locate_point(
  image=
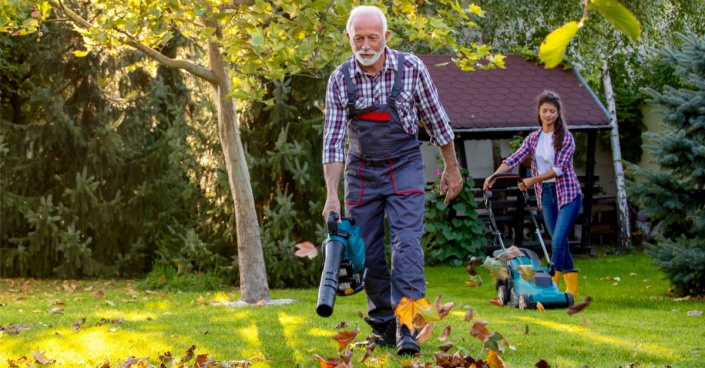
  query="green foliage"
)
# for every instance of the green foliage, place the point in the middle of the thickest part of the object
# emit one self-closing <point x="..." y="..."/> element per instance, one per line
<point x="454" y="232"/>
<point x="168" y="278"/>
<point x="673" y="197"/>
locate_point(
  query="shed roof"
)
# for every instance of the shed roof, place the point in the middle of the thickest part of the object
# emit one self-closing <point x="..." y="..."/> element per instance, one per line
<point x="504" y="100"/>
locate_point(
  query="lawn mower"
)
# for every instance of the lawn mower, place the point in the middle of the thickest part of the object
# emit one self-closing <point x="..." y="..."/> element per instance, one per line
<point x="528" y="283"/>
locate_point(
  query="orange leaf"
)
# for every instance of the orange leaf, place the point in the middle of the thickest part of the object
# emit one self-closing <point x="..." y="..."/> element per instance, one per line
<point x="41" y="358"/>
<point x="540" y="307"/>
<point x="98" y="294"/>
<point x="407" y="309"/>
<point x="496" y="302"/>
<point x="345" y="337"/>
<point x="201" y="361"/>
<point x="512" y="252"/>
<point x="494" y="360"/>
<point x="327" y="363"/>
<point x="306" y="249"/>
<point x="579" y="306"/>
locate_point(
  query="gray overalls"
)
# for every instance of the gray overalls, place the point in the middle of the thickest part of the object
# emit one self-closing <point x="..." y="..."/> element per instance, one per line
<point x="384" y="175"/>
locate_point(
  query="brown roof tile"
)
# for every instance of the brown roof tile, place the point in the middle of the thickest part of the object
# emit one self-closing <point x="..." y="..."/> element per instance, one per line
<point x="503" y="99"/>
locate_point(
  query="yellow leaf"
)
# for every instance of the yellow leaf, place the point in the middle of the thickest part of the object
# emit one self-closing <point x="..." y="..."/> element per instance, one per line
<point x="526" y="272"/>
<point x="494" y="360"/>
<point x="79" y="53"/>
<point x="407" y="309"/>
<point x="553" y="47"/>
<point x="619" y="16"/>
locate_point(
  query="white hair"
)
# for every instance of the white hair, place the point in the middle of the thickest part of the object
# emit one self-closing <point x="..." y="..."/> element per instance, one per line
<point x="366" y="10"/>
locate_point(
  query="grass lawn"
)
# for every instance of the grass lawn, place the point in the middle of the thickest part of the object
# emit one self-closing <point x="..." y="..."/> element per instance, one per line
<point x="629" y="321"/>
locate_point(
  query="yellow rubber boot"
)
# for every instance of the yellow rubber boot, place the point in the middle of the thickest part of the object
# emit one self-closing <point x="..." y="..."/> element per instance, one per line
<point x="571" y="282"/>
<point x="557" y="277"/>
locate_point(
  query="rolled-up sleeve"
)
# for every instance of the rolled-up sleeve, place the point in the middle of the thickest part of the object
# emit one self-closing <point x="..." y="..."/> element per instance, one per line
<point x="334" y="128"/>
<point x="430" y="110"/>
<point x="564" y="158"/>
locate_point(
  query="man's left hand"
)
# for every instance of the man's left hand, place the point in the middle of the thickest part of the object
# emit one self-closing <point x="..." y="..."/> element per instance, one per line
<point x="451" y="184"/>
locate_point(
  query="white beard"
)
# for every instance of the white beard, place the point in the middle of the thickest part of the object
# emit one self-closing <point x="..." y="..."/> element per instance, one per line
<point x="369" y="61"/>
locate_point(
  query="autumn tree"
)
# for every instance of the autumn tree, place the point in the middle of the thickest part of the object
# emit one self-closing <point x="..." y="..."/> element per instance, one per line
<point x="245" y="43"/>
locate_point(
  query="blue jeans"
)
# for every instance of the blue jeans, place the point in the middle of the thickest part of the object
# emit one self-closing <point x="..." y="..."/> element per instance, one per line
<point x="559" y="223"/>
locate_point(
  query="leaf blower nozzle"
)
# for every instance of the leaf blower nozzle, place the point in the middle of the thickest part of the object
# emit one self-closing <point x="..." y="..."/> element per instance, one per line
<point x="344" y="263"/>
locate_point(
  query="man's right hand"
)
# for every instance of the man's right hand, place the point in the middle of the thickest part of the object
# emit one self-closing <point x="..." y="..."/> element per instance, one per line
<point x="332" y="205"/>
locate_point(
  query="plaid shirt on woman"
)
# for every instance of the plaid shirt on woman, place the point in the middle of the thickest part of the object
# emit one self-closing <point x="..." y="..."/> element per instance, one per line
<point x="417" y="101"/>
<point x="567" y="185"/>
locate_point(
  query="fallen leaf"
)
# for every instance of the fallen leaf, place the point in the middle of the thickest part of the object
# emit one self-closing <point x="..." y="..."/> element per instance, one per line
<point x="474" y="281"/>
<point x="407" y="309"/>
<point x="511" y="253"/>
<point x="496" y="268"/>
<point x="496" y="302"/>
<point x="578" y="307"/>
<point x="425" y="333"/>
<point x="188" y="354"/>
<point x="56" y="311"/>
<point x="540" y="307"/>
<point x="98" y="294"/>
<point x="345" y="337"/>
<point x="695" y="313"/>
<point x="261" y="303"/>
<point x="495" y="342"/>
<point x="341" y="325"/>
<point x="201" y="301"/>
<point x="542" y="364"/>
<point x="23" y="361"/>
<point x="687" y="297"/>
<point x="40" y="358"/>
<point x="306" y="249"/>
<point x="526" y="330"/>
<point x="445" y="334"/>
<point x="77" y="325"/>
<point x="632" y="274"/>
<point x="201" y="361"/>
<point x="166" y="357"/>
<point x="618" y="279"/>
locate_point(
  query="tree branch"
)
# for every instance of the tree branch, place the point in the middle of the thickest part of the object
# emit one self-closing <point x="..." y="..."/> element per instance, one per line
<point x="188" y="66"/>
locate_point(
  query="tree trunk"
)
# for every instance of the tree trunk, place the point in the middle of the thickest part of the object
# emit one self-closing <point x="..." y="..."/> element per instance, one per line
<point x="624" y="236"/>
<point x="253" y="275"/>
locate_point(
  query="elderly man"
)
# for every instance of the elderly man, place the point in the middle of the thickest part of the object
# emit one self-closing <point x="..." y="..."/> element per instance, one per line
<point x="376" y="99"/>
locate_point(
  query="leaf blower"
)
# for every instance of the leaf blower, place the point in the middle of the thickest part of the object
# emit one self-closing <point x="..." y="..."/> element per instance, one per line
<point x="344" y="263"/>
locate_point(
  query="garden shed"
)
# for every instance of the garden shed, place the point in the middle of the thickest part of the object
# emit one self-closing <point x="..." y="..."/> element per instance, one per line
<point x="499" y="104"/>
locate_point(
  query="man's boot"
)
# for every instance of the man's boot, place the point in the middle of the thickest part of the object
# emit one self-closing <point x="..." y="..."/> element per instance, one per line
<point x="385" y="333"/>
<point x="557" y="278"/>
<point x="571" y="282"/>
<point x="406" y="342"/>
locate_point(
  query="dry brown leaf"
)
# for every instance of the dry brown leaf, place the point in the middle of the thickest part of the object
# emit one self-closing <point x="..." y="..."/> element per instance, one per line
<point x="328" y="362"/>
<point x="496" y="302"/>
<point x="201" y="361"/>
<point x="542" y="364"/>
<point x="470" y="314"/>
<point x="578" y="307"/>
<point x="16" y="363"/>
<point x="345" y="337"/>
<point x="540" y="307"/>
<point x="306" y="249"/>
<point x="445" y="334"/>
<point x="188" y="354"/>
<point x="98" y="294"/>
<point x="369" y="350"/>
<point x="512" y="252"/>
<point x="262" y="303"/>
<point x="201" y="301"/>
<point x="479" y="330"/>
<point x="341" y="325"/>
<point x="56" y="311"/>
<point x="40" y="358"/>
<point x="526" y="272"/>
<point x="425" y="333"/>
<point x="446" y="346"/>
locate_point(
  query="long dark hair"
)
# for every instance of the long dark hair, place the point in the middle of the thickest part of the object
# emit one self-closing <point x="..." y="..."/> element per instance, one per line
<point x="560" y="126"/>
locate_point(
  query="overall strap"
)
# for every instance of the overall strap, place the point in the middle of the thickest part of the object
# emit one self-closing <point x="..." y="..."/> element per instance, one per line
<point x="350" y="86"/>
<point x="396" y="89"/>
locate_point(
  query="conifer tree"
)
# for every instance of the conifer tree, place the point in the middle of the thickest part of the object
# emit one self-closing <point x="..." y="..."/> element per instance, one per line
<point x="674" y="196"/>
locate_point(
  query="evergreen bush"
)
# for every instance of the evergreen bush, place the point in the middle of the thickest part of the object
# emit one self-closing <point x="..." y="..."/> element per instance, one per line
<point x="674" y="196"/>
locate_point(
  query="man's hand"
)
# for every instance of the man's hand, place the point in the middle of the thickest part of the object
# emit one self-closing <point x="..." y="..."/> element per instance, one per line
<point x="451" y="184"/>
<point x="332" y="205"/>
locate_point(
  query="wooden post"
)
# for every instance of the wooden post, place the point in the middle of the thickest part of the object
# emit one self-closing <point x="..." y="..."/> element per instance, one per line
<point x="585" y="241"/>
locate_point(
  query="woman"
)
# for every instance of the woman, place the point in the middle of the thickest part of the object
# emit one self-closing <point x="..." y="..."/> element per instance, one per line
<point x="556" y="184"/>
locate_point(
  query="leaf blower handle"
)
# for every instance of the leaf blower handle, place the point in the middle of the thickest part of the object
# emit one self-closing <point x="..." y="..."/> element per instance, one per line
<point x="333" y="223"/>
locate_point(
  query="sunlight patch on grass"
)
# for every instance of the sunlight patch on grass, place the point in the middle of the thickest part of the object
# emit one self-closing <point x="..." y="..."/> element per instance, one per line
<point x="319" y="332"/>
<point x="253" y="345"/>
<point x="292" y="335"/>
<point x="229" y="318"/>
<point x="581" y="331"/>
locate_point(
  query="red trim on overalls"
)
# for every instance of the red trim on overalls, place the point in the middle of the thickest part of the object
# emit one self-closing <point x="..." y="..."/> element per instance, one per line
<point x="394" y="185"/>
<point x="375" y="116"/>
<point x="362" y="185"/>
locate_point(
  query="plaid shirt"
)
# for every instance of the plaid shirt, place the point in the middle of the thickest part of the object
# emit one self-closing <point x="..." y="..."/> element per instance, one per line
<point x="417" y="101"/>
<point x="567" y="185"/>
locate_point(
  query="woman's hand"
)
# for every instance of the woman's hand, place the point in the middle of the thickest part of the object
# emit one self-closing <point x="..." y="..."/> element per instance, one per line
<point x="526" y="184"/>
<point x="487" y="185"/>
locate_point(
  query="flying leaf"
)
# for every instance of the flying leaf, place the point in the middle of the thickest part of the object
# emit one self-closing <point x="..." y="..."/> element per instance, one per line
<point x="443" y="309"/>
<point x="77" y="325"/>
<point x="553" y="46"/>
<point x="495" y="342"/>
<point x="474" y="281"/>
<point x="327" y="362"/>
<point x="578" y="307"/>
<point x="619" y="16"/>
<point x="370" y="349"/>
<point x="446" y="346"/>
<point x="445" y="334"/>
<point x="306" y="249"/>
<point x="479" y="330"/>
<point x="188" y="354"/>
<point x="341" y="325"/>
<point x="540" y="307"/>
<point x="425" y="333"/>
<point x="345" y="337"/>
<point x="407" y="309"/>
<point x="470" y="268"/>
<point x="526" y="272"/>
<point x="470" y="314"/>
<point x="40" y="358"/>
<point x="493" y="360"/>
<point x="511" y="253"/>
<point x="496" y="268"/>
<point x="496" y="302"/>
